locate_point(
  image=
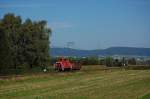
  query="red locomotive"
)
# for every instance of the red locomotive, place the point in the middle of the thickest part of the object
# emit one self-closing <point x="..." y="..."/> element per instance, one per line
<point x="64" y="64"/>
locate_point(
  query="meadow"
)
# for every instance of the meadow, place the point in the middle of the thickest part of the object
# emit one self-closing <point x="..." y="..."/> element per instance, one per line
<point x="91" y="82"/>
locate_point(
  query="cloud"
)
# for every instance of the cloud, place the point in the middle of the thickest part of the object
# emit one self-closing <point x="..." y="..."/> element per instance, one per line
<point x="23" y="5"/>
<point x="60" y="25"/>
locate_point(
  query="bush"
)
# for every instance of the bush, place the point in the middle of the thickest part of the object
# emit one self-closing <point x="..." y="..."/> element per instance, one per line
<point x="90" y="61"/>
<point x="109" y="61"/>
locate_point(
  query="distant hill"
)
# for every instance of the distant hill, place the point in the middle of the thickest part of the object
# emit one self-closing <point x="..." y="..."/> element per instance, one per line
<point x="103" y="52"/>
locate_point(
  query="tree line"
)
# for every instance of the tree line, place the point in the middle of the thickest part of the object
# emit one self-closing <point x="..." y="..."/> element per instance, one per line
<point x="94" y="60"/>
<point x="24" y="44"/>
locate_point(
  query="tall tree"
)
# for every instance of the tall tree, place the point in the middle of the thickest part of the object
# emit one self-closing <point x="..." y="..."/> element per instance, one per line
<point x="10" y="25"/>
<point x="23" y="42"/>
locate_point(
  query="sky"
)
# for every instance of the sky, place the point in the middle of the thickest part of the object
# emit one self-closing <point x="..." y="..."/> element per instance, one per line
<point x="89" y="24"/>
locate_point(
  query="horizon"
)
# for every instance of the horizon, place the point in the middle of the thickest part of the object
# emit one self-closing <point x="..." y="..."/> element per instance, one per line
<point x="103" y="48"/>
<point x="89" y="25"/>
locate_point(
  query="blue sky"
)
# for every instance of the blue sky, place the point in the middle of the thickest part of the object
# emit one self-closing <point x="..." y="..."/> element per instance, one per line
<point x="90" y="24"/>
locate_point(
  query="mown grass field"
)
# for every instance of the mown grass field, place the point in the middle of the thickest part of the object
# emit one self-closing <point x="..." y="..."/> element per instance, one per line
<point x="92" y="82"/>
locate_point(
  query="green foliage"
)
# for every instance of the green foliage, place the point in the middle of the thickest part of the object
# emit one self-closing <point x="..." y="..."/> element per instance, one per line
<point x="23" y="43"/>
<point x="54" y="59"/>
<point x="102" y="61"/>
<point x="112" y="62"/>
<point x="132" y="61"/>
<point x="116" y="62"/>
<point x="109" y="61"/>
<point x="147" y="96"/>
<point x="90" y="60"/>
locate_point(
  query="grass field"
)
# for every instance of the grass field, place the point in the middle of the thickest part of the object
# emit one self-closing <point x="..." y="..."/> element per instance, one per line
<point x="92" y="82"/>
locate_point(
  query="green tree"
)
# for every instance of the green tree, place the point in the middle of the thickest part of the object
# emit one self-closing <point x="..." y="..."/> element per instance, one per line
<point x="132" y="61"/>
<point x="36" y="36"/>
<point x="10" y="26"/>
<point x="109" y="61"/>
<point x="23" y="43"/>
